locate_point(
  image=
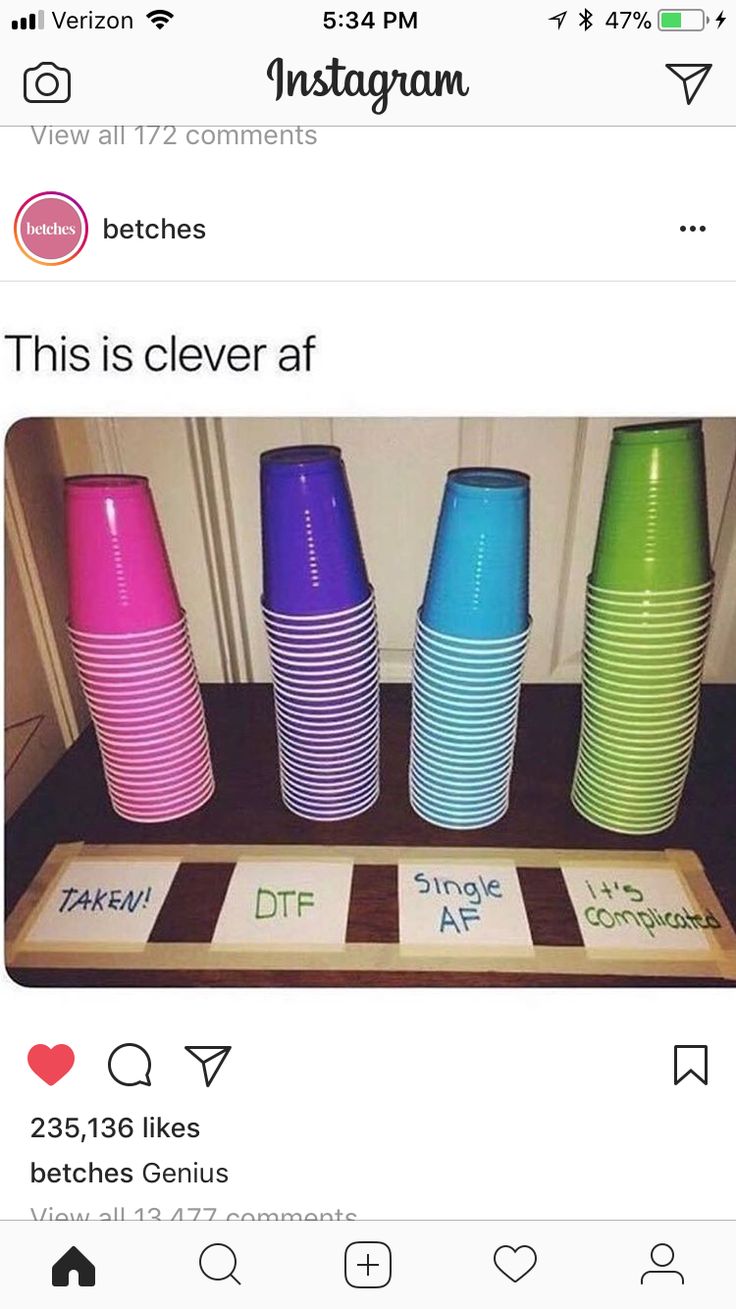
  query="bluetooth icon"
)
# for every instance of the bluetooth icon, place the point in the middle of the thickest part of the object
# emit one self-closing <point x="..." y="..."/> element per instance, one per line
<point x="586" y="20"/>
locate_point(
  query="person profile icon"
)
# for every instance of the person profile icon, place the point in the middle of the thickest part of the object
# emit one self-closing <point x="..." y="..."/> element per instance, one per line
<point x="662" y="1255"/>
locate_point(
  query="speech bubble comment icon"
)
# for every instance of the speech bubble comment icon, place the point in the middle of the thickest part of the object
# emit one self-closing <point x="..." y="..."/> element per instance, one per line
<point x="130" y="1065"/>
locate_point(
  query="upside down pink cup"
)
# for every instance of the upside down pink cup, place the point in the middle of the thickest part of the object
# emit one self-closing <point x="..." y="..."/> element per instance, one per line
<point x="184" y="730"/>
<point x="159" y="697"/>
<point x="165" y="808"/>
<point x="141" y="689"/>
<point x="170" y="781"/>
<point x="130" y="665"/>
<point x="178" y="733"/>
<point x="125" y="644"/>
<point x="168" y="775"/>
<point x="134" y="761"/>
<point x="165" y="700"/>
<point x="120" y="580"/>
<point x="147" y="717"/>
<point x="163" y="802"/>
<point x="163" y="774"/>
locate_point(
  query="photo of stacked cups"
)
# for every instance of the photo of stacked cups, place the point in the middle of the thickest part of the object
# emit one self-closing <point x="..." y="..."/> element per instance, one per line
<point x="471" y="636"/>
<point x="132" y="651"/>
<point x="647" y="618"/>
<point x="320" y="618"/>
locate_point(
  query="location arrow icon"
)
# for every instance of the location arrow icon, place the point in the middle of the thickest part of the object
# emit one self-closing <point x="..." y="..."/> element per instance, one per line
<point x="558" y="19"/>
<point x="692" y="77"/>
<point x="211" y="1057"/>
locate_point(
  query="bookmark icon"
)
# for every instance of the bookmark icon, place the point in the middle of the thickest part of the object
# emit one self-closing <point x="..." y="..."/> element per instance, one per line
<point x="691" y="1061"/>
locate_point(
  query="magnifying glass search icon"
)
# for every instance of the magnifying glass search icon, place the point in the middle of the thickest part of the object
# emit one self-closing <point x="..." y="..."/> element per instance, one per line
<point x="218" y="1263"/>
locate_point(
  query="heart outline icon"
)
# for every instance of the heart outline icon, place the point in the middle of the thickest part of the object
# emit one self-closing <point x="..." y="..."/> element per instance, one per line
<point x="517" y="1267"/>
<point x="50" y="1063"/>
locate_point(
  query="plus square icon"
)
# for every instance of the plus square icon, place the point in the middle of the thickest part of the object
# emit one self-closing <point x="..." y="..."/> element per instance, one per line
<point x="368" y="1265"/>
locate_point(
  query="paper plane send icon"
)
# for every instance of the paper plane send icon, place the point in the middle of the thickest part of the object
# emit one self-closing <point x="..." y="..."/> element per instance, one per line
<point x="692" y="77"/>
<point x="211" y="1057"/>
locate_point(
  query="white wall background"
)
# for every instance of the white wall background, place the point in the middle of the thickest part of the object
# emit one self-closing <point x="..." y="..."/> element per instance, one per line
<point x="204" y="475"/>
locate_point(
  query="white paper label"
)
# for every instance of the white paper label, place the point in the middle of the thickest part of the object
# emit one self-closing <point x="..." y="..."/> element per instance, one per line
<point x="286" y="903"/>
<point x="462" y="905"/>
<point x="104" y="902"/>
<point x="638" y="908"/>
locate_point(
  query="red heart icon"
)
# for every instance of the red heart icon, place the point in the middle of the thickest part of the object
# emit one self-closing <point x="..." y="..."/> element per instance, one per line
<point x="50" y="1064"/>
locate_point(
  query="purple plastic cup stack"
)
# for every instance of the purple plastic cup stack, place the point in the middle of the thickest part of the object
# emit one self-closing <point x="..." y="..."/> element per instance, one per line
<point x="132" y="651"/>
<point x="320" y="617"/>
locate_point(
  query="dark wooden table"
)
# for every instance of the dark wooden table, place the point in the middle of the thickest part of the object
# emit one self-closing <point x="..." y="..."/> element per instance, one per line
<point x="71" y="804"/>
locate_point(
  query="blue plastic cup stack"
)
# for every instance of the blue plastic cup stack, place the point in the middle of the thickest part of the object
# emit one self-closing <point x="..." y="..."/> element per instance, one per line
<point x="471" y="637"/>
<point x="320" y="617"/>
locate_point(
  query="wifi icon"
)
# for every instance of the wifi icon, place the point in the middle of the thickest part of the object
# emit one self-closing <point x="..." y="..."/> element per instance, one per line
<point x="160" y="17"/>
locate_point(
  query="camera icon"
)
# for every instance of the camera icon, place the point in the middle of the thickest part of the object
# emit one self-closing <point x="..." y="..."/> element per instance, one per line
<point x="47" y="84"/>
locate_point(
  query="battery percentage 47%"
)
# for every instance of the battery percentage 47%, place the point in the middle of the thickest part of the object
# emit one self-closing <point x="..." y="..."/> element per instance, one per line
<point x="622" y="18"/>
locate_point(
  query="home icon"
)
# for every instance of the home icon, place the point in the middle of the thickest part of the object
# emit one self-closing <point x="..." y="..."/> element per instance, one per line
<point x="73" y="1262"/>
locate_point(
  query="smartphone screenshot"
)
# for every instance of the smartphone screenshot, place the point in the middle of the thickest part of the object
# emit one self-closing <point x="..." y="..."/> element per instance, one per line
<point x="369" y="414"/>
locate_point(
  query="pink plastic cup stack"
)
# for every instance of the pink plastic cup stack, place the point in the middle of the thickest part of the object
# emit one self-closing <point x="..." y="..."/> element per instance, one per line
<point x="132" y="651"/>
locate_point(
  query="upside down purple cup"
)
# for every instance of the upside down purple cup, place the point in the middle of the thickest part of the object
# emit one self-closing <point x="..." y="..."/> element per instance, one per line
<point x="312" y="558"/>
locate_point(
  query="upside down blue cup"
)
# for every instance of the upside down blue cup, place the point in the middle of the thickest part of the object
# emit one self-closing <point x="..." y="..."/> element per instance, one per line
<point x="478" y="581"/>
<point x="312" y="558"/>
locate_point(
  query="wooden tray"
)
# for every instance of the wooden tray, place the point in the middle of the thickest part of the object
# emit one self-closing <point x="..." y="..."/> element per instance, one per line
<point x="181" y="937"/>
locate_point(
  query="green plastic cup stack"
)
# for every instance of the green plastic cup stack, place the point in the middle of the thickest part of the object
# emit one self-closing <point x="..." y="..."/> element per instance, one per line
<point x="647" y="618"/>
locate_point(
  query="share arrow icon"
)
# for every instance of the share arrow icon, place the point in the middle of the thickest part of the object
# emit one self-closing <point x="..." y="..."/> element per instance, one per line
<point x="692" y="77"/>
<point x="211" y="1057"/>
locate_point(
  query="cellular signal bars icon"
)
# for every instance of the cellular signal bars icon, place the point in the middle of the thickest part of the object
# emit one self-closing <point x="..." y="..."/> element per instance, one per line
<point x="31" y="23"/>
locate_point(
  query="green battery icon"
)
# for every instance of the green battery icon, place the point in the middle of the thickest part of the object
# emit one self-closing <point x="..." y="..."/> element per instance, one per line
<point x="681" y="20"/>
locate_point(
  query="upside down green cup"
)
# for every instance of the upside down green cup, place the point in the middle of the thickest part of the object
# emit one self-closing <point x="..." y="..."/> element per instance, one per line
<point x="638" y="732"/>
<point x="641" y="631"/>
<point x="608" y="641"/>
<point x="592" y="768"/>
<point x="677" y="688"/>
<point x="634" y="798"/>
<point x="643" y="803"/>
<point x="629" y="760"/>
<point x="638" y="701"/>
<point x="600" y="716"/>
<point x="667" y="755"/>
<point x="645" y="667"/>
<point x="601" y="737"/>
<point x="613" y="799"/>
<point x="651" y="773"/>
<point x="687" y="597"/>
<point x="623" y="684"/>
<point x="674" y="669"/>
<point x="620" y="813"/>
<point x="641" y="721"/>
<point x="654" y="606"/>
<point x="653" y="527"/>
<point x="603" y="697"/>
<point x="627" y="826"/>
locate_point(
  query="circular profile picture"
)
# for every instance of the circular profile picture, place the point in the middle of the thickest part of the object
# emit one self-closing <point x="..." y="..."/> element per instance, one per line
<point x="51" y="228"/>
